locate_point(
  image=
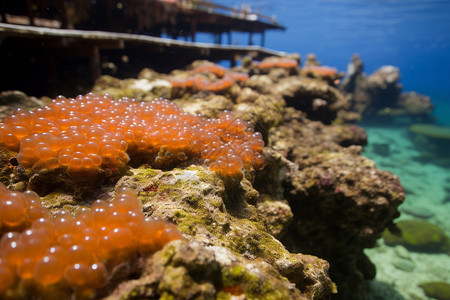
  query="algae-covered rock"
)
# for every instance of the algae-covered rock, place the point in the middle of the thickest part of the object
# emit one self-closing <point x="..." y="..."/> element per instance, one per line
<point x="140" y="89"/>
<point x="277" y="215"/>
<point x="316" y="98"/>
<point x="192" y="270"/>
<point x="419" y="235"/>
<point x="205" y="210"/>
<point x="437" y="290"/>
<point x="430" y="130"/>
<point x="12" y="100"/>
<point x="209" y="106"/>
<point x="6" y="168"/>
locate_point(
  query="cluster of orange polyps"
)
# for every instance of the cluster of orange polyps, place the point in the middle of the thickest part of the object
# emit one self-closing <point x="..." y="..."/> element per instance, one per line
<point x="224" y="81"/>
<point x="90" y="134"/>
<point x="75" y="252"/>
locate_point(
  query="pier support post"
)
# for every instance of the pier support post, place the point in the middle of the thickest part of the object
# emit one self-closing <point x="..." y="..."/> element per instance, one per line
<point x="94" y="59"/>
<point x="30" y="13"/>
<point x="193" y="29"/>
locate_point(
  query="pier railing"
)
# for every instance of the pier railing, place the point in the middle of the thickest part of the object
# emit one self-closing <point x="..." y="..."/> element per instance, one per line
<point x="245" y="12"/>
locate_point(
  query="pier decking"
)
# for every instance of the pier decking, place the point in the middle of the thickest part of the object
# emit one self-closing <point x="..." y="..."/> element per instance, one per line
<point x="39" y="59"/>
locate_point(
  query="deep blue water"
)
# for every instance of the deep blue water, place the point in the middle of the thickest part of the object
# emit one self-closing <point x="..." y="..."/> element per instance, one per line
<point x="411" y="34"/>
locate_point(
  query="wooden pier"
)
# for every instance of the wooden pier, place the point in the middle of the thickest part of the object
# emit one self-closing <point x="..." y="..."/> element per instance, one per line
<point x="43" y="60"/>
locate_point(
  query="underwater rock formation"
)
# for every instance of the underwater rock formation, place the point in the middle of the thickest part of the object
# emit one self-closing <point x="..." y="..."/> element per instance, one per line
<point x="270" y="233"/>
<point x="379" y="95"/>
<point x="340" y="202"/>
<point x="12" y="100"/>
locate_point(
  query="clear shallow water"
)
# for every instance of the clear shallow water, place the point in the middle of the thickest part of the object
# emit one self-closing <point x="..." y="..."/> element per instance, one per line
<point x="413" y="35"/>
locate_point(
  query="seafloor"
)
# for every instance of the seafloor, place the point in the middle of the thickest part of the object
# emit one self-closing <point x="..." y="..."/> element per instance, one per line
<point x="427" y="183"/>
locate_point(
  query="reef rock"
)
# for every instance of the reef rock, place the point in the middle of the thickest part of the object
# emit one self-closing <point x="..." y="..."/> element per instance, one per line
<point x="380" y="96"/>
<point x="340" y="202"/>
<point x="316" y="98"/>
<point x="227" y="233"/>
<point x="273" y="233"/>
<point x="11" y="100"/>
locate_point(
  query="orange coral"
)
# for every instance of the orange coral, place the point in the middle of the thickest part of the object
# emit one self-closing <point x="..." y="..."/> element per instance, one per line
<point x="92" y="134"/>
<point x="321" y="71"/>
<point x="284" y="63"/>
<point x="79" y="251"/>
<point x="19" y="210"/>
<point x="214" y="86"/>
<point x="238" y="76"/>
<point x="213" y="68"/>
<point x="225" y="81"/>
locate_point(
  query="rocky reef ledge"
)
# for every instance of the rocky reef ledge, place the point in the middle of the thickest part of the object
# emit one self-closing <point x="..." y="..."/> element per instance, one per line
<point x="294" y="227"/>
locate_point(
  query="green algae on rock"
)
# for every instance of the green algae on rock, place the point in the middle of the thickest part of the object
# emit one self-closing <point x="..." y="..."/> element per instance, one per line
<point x="430" y="130"/>
<point x="420" y="236"/>
<point x="198" y="202"/>
<point x="437" y="290"/>
<point x="192" y="270"/>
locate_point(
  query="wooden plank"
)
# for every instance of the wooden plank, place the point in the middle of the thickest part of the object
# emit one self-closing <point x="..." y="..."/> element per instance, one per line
<point x="27" y="32"/>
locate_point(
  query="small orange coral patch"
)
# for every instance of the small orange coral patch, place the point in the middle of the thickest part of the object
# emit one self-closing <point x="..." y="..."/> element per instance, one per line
<point x="225" y="79"/>
<point x="79" y="251"/>
<point x="285" y="63"/>
<point x="322" y="71"/>
<point x="214" y="86"/>
<point x="92" y="134"/>
<point x="213" y="68"/>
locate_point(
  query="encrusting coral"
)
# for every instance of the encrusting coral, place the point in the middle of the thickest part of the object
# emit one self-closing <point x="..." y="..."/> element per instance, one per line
<point x="320" y="71"/>
<point x="92" y="134"/>
<point x="63" y="253"/>
<point x="223" y="81"/>
<point x="276" y="62"/>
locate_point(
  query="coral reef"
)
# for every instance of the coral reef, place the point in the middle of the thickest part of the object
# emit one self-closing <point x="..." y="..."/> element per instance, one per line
<point x="292" y="227"/>
<point x="12" y="100"/>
